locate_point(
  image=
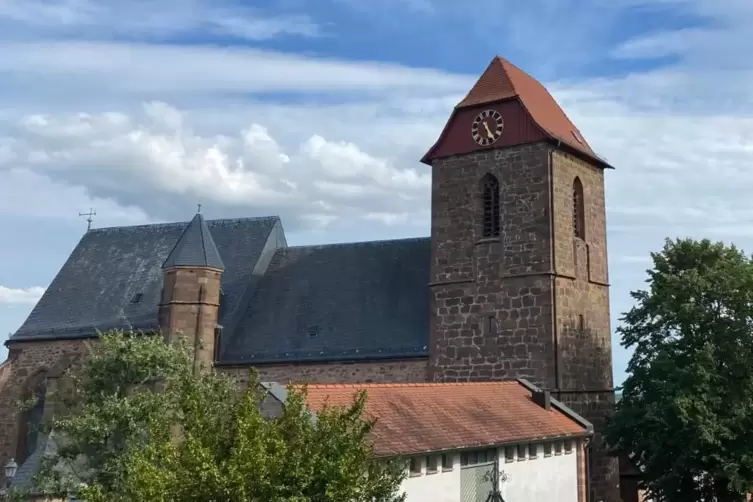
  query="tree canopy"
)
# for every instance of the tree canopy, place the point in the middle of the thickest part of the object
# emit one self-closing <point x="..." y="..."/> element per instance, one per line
<point x="686" y="412"/>
<point x="144" y="426"/>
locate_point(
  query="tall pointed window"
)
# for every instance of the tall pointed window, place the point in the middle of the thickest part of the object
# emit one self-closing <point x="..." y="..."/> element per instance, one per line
<point x="579" y="220"/>
<point x="218" y="327"/>
<point x="31" y="417"/>
<point x="490" y="205"/>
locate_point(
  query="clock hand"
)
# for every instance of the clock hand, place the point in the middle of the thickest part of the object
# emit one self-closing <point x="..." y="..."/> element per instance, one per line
<point x="488" y="131"/>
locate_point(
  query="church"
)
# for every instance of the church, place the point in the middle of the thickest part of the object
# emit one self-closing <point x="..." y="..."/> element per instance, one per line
<point x="511" y="283"/>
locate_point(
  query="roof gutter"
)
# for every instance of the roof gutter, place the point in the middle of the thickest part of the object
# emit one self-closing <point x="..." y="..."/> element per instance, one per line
<point x="586" y="436"/>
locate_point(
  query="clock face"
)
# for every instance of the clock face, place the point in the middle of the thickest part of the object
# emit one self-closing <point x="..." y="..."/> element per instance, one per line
<point x="487" y="127"/>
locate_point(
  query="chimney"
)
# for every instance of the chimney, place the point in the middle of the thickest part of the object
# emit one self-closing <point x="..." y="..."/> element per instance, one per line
<point x="542" y="398"/>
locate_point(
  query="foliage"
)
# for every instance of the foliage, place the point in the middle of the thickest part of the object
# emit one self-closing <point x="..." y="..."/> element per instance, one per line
<point x="145" y="426"/>
<point x="686" y="412"/>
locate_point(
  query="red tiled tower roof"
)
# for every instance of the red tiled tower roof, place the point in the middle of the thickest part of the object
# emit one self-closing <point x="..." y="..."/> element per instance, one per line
<point x="429" y="417"/>
<point x="503" y="80"/>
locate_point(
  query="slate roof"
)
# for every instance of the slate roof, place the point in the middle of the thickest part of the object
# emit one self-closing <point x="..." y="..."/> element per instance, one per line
<point x="113" y="278"/>
<point x="47" y="446"/>
<point x="26" y="472"/>
<point x="413" y="418"/>
<point x="195" y="248"/>
<point x="341" y="301"/>
<point x="365" y="300"/>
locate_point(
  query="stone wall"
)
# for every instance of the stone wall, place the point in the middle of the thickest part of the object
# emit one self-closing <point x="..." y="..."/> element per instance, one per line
<point x="533" y="303"/>
<point x="406" y="370"/>
<point x="27" y="362"/>
<point x="190" y="306"/>
<point x="582" y="311"/>
<point x="491" y="298"/>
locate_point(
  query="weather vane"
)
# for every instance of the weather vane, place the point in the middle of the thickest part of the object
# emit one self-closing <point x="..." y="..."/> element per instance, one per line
<point x="89" y="218"/>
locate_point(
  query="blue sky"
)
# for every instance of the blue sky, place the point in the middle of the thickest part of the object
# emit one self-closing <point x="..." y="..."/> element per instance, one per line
<point x="319" y="111"/>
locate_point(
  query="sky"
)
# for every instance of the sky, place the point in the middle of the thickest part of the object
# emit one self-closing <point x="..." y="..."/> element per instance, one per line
<point x="319" y="111"/>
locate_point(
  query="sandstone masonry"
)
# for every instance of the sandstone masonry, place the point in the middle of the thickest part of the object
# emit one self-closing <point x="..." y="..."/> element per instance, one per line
<point x="532" y="303"/>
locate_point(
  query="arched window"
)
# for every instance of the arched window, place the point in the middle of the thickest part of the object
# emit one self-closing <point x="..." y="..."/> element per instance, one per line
<point x="31" y="416"/>
<point x="579" y="220"/>
<point x="490" y="206"/>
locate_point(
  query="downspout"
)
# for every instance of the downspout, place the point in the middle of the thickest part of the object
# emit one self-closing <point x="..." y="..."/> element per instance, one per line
<point x="587" y="462"/>
<point x="552" y="253"/>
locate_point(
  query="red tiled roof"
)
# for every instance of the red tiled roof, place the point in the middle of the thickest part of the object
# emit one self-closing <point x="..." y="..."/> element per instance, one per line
<point x="424" y="417"/>
<point x="503" y="80"/>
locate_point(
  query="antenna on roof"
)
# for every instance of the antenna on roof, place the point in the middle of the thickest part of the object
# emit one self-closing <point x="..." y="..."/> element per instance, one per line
<point x="89" y="218"/>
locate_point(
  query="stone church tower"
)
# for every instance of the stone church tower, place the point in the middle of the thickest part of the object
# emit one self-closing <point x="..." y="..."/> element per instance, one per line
<point x="191" y="291"/>
<point x="519" y="284"/>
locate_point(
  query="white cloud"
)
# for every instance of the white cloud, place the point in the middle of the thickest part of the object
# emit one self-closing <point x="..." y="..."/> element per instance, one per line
<point x="719" y="38"/>
<point x="149" y="20"/>
<point x="163" y="68"/>
<point x="155" y="160"/>
<point x="9" y="296"/>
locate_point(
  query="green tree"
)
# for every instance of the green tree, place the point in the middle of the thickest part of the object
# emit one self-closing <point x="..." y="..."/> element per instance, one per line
<point x="146" y="427"/>
<point x="686" y="412"/>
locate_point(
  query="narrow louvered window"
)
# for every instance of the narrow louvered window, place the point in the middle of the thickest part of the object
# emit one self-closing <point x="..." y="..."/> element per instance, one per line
<point x="217" y="342"/>
<point x="579" y="222"/>
<point x="490" y="206"/>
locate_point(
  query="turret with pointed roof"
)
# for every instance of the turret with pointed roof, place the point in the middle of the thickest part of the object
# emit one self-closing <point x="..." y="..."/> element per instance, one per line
<point x="191" y="292"/>
<point x="195" y="248"/>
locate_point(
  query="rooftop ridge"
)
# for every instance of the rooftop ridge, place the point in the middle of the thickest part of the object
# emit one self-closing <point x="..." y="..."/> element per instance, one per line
<point x="204" y="239"/>
<point x="358" y="243"/>
<point x="177" y="224"/>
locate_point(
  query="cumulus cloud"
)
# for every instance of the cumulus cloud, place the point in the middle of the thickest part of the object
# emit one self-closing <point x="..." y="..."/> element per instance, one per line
<point x="156" y="159"/>
<point x="27" y="296"/>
